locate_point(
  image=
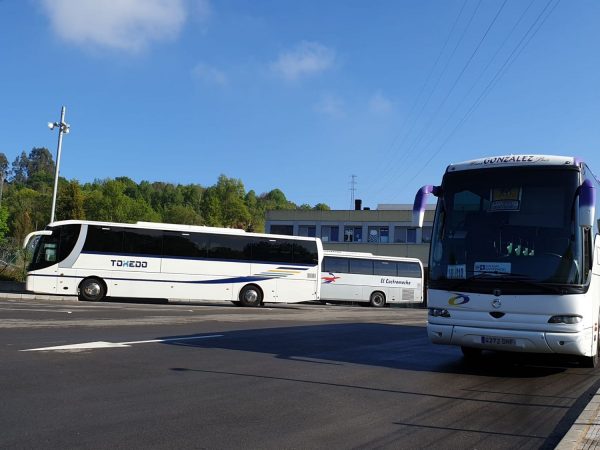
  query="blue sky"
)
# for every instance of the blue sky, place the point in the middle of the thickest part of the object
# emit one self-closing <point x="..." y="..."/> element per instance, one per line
<point x="299" y="95"/>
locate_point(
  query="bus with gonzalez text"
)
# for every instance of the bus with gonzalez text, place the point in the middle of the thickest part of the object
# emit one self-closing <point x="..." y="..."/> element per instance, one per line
<point x="95" y="260"/>
<point x="370" y="279"/>
<point x="514" y="261"/>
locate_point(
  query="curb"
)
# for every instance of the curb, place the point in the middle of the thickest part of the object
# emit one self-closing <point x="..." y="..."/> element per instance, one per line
<point x="20" y="295"/>
<point x="585" y="431"/>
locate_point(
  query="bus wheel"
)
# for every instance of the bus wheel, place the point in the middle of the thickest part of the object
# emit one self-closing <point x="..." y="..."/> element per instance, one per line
<point x="377" y="299"/>
<point x="470" y="352"/>
<point x="92" y="290"/>
<point x="251" y="295"/>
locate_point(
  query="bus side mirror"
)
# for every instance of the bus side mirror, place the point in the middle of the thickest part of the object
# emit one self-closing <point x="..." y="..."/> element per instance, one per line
<point x="421" y="203"/>
<point x="587" y="204"/>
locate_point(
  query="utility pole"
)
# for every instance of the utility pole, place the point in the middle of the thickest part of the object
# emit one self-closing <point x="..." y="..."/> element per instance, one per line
<point x="63" y="128"/>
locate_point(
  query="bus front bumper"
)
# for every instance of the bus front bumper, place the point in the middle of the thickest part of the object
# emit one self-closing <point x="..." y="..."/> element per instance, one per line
<point x="514" y="341"/>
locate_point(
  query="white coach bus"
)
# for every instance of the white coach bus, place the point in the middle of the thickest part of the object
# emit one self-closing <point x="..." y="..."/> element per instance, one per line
<point x="364" y="277"/>
<point x="514" y="262"/>
<point x="153" y="260"/>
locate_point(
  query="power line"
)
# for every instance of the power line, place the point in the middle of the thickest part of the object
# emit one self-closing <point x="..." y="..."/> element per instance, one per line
<point x="390" y="165"/>
<point x="466" y="96"/>
<point x="456" y="81"/>
<point x="499" y="73"/>
<point x="422" y="89"/>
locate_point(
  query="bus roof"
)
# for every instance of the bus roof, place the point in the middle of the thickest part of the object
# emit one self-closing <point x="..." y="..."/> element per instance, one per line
<point x="515" y="161"/>
<point x="177" y="227"/>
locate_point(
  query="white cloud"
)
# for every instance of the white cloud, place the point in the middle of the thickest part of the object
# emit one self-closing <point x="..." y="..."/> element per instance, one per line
<point x="331" y="105"/>
<point x="308" y="58"/>
<point x="128" y="25"/>
<point x="380" y="104"/>
<point x="209" y="74"/>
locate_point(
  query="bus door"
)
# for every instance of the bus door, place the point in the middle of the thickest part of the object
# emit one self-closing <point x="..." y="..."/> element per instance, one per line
<point x="44" y="246"/>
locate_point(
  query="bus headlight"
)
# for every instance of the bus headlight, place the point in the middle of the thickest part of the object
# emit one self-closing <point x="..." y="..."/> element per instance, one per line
<point x="570" y="319"/>
<point x="438" y="312"/>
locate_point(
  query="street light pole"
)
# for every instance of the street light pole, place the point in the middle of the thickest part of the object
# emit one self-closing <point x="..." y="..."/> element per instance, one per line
<point x="62" y="128"/>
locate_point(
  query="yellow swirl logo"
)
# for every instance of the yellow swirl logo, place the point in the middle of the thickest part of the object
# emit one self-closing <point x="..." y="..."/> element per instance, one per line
<point x="458" y="299"/>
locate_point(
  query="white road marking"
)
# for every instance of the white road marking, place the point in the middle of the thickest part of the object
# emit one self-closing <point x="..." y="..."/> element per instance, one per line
<point x="36" y="310"/>
<point x="104" y="344"/>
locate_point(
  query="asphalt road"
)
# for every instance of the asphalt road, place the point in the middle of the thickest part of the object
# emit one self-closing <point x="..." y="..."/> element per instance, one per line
<point x="290" y="376"/>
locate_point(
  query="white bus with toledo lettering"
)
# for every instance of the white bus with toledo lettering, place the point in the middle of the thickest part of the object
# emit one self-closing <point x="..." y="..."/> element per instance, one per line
<point x="364" y="277"/>
<point x="514" y="262"/>
<point x="153" y="260"/>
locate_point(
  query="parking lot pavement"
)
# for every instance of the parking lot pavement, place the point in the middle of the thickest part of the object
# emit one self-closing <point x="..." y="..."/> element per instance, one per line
<point x="584" y="433"/>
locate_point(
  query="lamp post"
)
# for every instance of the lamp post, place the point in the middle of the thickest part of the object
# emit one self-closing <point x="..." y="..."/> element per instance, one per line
<point x="63" y="128"/>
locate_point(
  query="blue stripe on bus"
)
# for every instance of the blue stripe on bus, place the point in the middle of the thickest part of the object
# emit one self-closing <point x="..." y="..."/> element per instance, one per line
<point x="216" y="281"/>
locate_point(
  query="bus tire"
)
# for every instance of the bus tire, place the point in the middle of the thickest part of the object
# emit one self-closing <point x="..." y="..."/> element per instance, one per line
<point x="251" y="295"/>
<point x="470" y="352"/>
<point x="92" y="290"/>
<point x="377" y="299"/>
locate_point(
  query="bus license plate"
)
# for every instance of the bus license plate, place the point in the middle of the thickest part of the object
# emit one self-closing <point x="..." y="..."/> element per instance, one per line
<point x="497" y="340"/>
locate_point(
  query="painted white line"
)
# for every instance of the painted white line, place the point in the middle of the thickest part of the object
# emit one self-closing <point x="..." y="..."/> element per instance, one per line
<point x="36" y="310"/>
<point x="104" y="344"/>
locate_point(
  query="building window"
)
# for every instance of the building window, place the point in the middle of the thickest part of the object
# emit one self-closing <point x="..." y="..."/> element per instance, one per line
<point x="411" y="235"/>
<point x="353" y="234"/>
<point x="406" y="235"/>
<point x="379" y="234"/>
<point x="330" y="233"/>
<point x="426" y="237"/>
<point x="307" y="230"/>
<point x="282" y="229"/>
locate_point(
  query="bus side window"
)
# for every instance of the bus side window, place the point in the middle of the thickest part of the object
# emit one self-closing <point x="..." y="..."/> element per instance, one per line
<point x="361" y="266"/>
<point x="409" y="270"/>
<point x="335" y="265"/>
<point x="385" y="268"/>
<point x="305" y="252"/>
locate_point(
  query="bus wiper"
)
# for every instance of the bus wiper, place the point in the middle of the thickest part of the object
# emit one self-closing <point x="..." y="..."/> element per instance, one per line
<point x="502" y="276"/>
<point x="527" y="281"/>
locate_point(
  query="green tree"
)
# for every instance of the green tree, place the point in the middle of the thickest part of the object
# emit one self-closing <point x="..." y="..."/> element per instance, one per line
<point x="276" y="199"/>
<point x="106" y="201"/>
<point x="40" y="161"/>
<point x="231" y="193"/>
<point x="182" y="214"/>
<point x="211" y="208"/>
<point x="24" y="213"/>
<point x="70" y="201"/>
<point x="19" y="170"/>
<point x="3" y="166"/>
<point x="3" y="222"/>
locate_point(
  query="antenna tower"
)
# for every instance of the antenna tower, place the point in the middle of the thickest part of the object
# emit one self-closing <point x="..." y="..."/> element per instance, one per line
<point x="352" y="190"/>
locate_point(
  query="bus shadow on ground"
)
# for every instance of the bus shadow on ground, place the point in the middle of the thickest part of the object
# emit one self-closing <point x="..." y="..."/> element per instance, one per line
<point x="382" y="345"/>
<point x="198" y="303"/>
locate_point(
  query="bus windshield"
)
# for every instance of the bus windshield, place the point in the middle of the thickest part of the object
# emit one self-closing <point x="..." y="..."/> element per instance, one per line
<point x="54" y="248"/>
<point x="511" y="227"/>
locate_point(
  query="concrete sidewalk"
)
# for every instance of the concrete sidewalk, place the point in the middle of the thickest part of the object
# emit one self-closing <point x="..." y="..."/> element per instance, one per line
<point x="584" y="434"/>
<point x="16" y="290"/>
